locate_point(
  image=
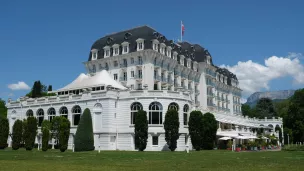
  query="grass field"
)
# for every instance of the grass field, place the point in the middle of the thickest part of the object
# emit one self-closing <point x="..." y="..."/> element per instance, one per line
<point x="156" y="161"/>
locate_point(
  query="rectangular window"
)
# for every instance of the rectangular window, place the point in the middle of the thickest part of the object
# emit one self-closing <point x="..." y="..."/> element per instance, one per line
<point x="125" y="63"/>
<point x="116" y="51"/>
<point x="132" y="73"/>
<point x="139" y="86"/>
<point x="125" y="76"/>
<point x="125" y="49"/>
<point x="107" y="53"/>
<point x="185" y="119"/>
<point x="113" y="139"/>
<point x="155" y="140"/>
<point x="140" y="60"/>
<point x="132" y="60"/>
<point x="139" y="73"/>
<point x="132" y="87"/>
<point x="94" y="55"/>
<point x="115" y="76"/>
<point x="115" y="63"/>
<point x="76" y="119"/>
<point x="140" y="46"/>
<point x="155" y="46"/>
<point x="155" y="118"/>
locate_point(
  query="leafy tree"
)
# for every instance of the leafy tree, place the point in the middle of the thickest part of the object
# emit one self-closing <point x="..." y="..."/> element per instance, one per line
<point x="265" y="108"/>
<point x="295" y="122"/>
<point x="23" y="131"/>
<point x="209" y="131"/>
<point x="50" y="88"/>
<point x="196" y="129"/>
<point x="84" y="140"/>
<point x="287" y="133"/>
<point x="3" y="109"/>
<point x="141" y="130"/>
<point x="55" y="128"/>
<point x="17" y="134"/>
<point x="4" y="131"/>
<point x="246" y="110"/>
<point x="171" y="126"/>
<point x="281" y="108"/>
<point x="30" y="133"/>
<point x="64" y="134"/>
<point x="46" y="125"/>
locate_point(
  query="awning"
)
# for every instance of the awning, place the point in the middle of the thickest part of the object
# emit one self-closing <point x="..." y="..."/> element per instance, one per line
<point x="225" y="138"/>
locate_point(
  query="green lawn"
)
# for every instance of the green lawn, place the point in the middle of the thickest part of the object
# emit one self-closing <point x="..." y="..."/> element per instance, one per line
<point x="156" y="161"/>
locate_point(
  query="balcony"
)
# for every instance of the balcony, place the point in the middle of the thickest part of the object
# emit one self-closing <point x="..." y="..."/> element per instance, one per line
<point x="197" y="92"/>
<point x="176" y="85"/>
<point x="210" y="94"/>
<point x="196" y="81"/>
<point x="227" y="101"/>
<point x="123" y="79"/>
<point x="138" y="77"/>
<point x="236" y="102"/>
<point x="164" y="80"/>
<point x="209" y="83"/>
<point x="211" y="105"/>
<point x="138" y="63"/>
<point x="184" y="76"/>
<point x="157" y="78"/>
<point x="177" y="73"/>
<point x="170" y="81"/>
<point x="123" y="65"/>
<point x="210" y="73"/>
<point x="157" y="64"/>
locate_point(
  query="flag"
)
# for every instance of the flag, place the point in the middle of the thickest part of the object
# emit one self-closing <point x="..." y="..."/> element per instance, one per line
<point x="183" y="29"/>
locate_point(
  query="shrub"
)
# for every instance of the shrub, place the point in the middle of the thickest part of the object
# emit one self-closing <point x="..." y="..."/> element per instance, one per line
<point x="141" y="130"/>
<point x="84" y="140"/>
<point x="4" y="131"/>
<point x="30" y="133"/>
<point x="64" y="134"/>
<point x="45" y="139"/>
<point x="209" y="131"/>
<point x="17" y="134"/>
<point x="171" y="126"/>
<point x="46" y="125"/>
<point x="196" y="129"/>
<point x="55" y="126"/>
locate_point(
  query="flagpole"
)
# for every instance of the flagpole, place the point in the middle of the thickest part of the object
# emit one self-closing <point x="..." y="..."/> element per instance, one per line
<point x="181" y="31"/>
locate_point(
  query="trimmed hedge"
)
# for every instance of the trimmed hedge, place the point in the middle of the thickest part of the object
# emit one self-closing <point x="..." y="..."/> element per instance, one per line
<point x="64" y="133"/>
<point x="17" y="134"/>
<point x="45" y="128"/>
<point x="196" y="129"/>
<point x="30" y="132"/>
<point x="141" y="130"/>
<point x="209" y="131"/>
<point x="171" y="126"/>
<point x="84" y="140"/>
<point x="4" y="131"/>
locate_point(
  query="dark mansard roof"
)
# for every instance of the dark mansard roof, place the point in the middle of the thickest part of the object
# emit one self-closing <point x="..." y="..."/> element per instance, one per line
<point x="193" y="51"/>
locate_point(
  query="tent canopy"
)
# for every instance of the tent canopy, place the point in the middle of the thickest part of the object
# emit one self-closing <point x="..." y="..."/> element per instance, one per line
<point x="85" y="81"/>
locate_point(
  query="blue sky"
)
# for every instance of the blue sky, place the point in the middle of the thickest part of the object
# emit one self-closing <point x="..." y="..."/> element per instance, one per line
<point x="48" y="41"/>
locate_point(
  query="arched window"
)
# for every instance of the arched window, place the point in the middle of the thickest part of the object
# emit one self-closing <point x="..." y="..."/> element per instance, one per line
<point x="135" y="107"/>
<point x="155" y="113"/>
<point x="51" y="114"/>
<point x="63" y="111"/>
<point x="173" y="106"/>
<point x="29" y="113"/>
<point x="40" y="116"/>
<point x="76" y="112"/>
<point x="186" y="110"/>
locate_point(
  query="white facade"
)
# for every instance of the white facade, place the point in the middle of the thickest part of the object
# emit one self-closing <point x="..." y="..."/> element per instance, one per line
<point x="155" y="79"/>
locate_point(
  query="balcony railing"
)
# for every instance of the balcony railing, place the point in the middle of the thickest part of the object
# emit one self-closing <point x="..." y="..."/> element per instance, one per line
<point x="164" y="80"/>
<point x="209" y="83"/>
<point x="170" y="81"/>
<point x="197" y="92"/>
<point x="157" y="78"/>
<point x="157" y="64"/>
<point x="138" y="63"/>
<point x="211" y="105"/>
<point x="123" y="79"/>
<point x="123" y="65"/>
<point x="210" y="73"/>
<point x="210" y="94"/>
<point x="138" y="76"/>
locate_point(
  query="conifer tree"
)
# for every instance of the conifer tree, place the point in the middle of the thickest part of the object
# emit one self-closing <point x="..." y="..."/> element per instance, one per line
<point x="17" y="134"/>
<point x="171" y="126"/>
<point x="141" y="130"/>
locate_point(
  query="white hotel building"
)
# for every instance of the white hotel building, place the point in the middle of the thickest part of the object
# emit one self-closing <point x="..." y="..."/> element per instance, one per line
<point x="141" y="69"/>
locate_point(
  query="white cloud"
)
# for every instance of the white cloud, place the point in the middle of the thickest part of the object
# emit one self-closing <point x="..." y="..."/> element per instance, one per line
<point x="19" y="86"/>
<point x="254" y="76"/>
<point x="10" y="95"/>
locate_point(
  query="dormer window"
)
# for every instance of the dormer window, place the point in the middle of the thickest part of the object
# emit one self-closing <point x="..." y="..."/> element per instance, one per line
<point x="208" y="59"/>
<point x="162" y="48"/>
<point x="140" y="44"/>
<point x="169" y="51"/>
<point x="94" y="54"/>
<point x="155" y="45"/>
<point x="175" y="55"/>
<point x="115" y="49"/>
<point x="182" y="59"/>
<point x="125" y="47"/>
<point x="106" y="51"/>
<point x="188" y="62"/>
